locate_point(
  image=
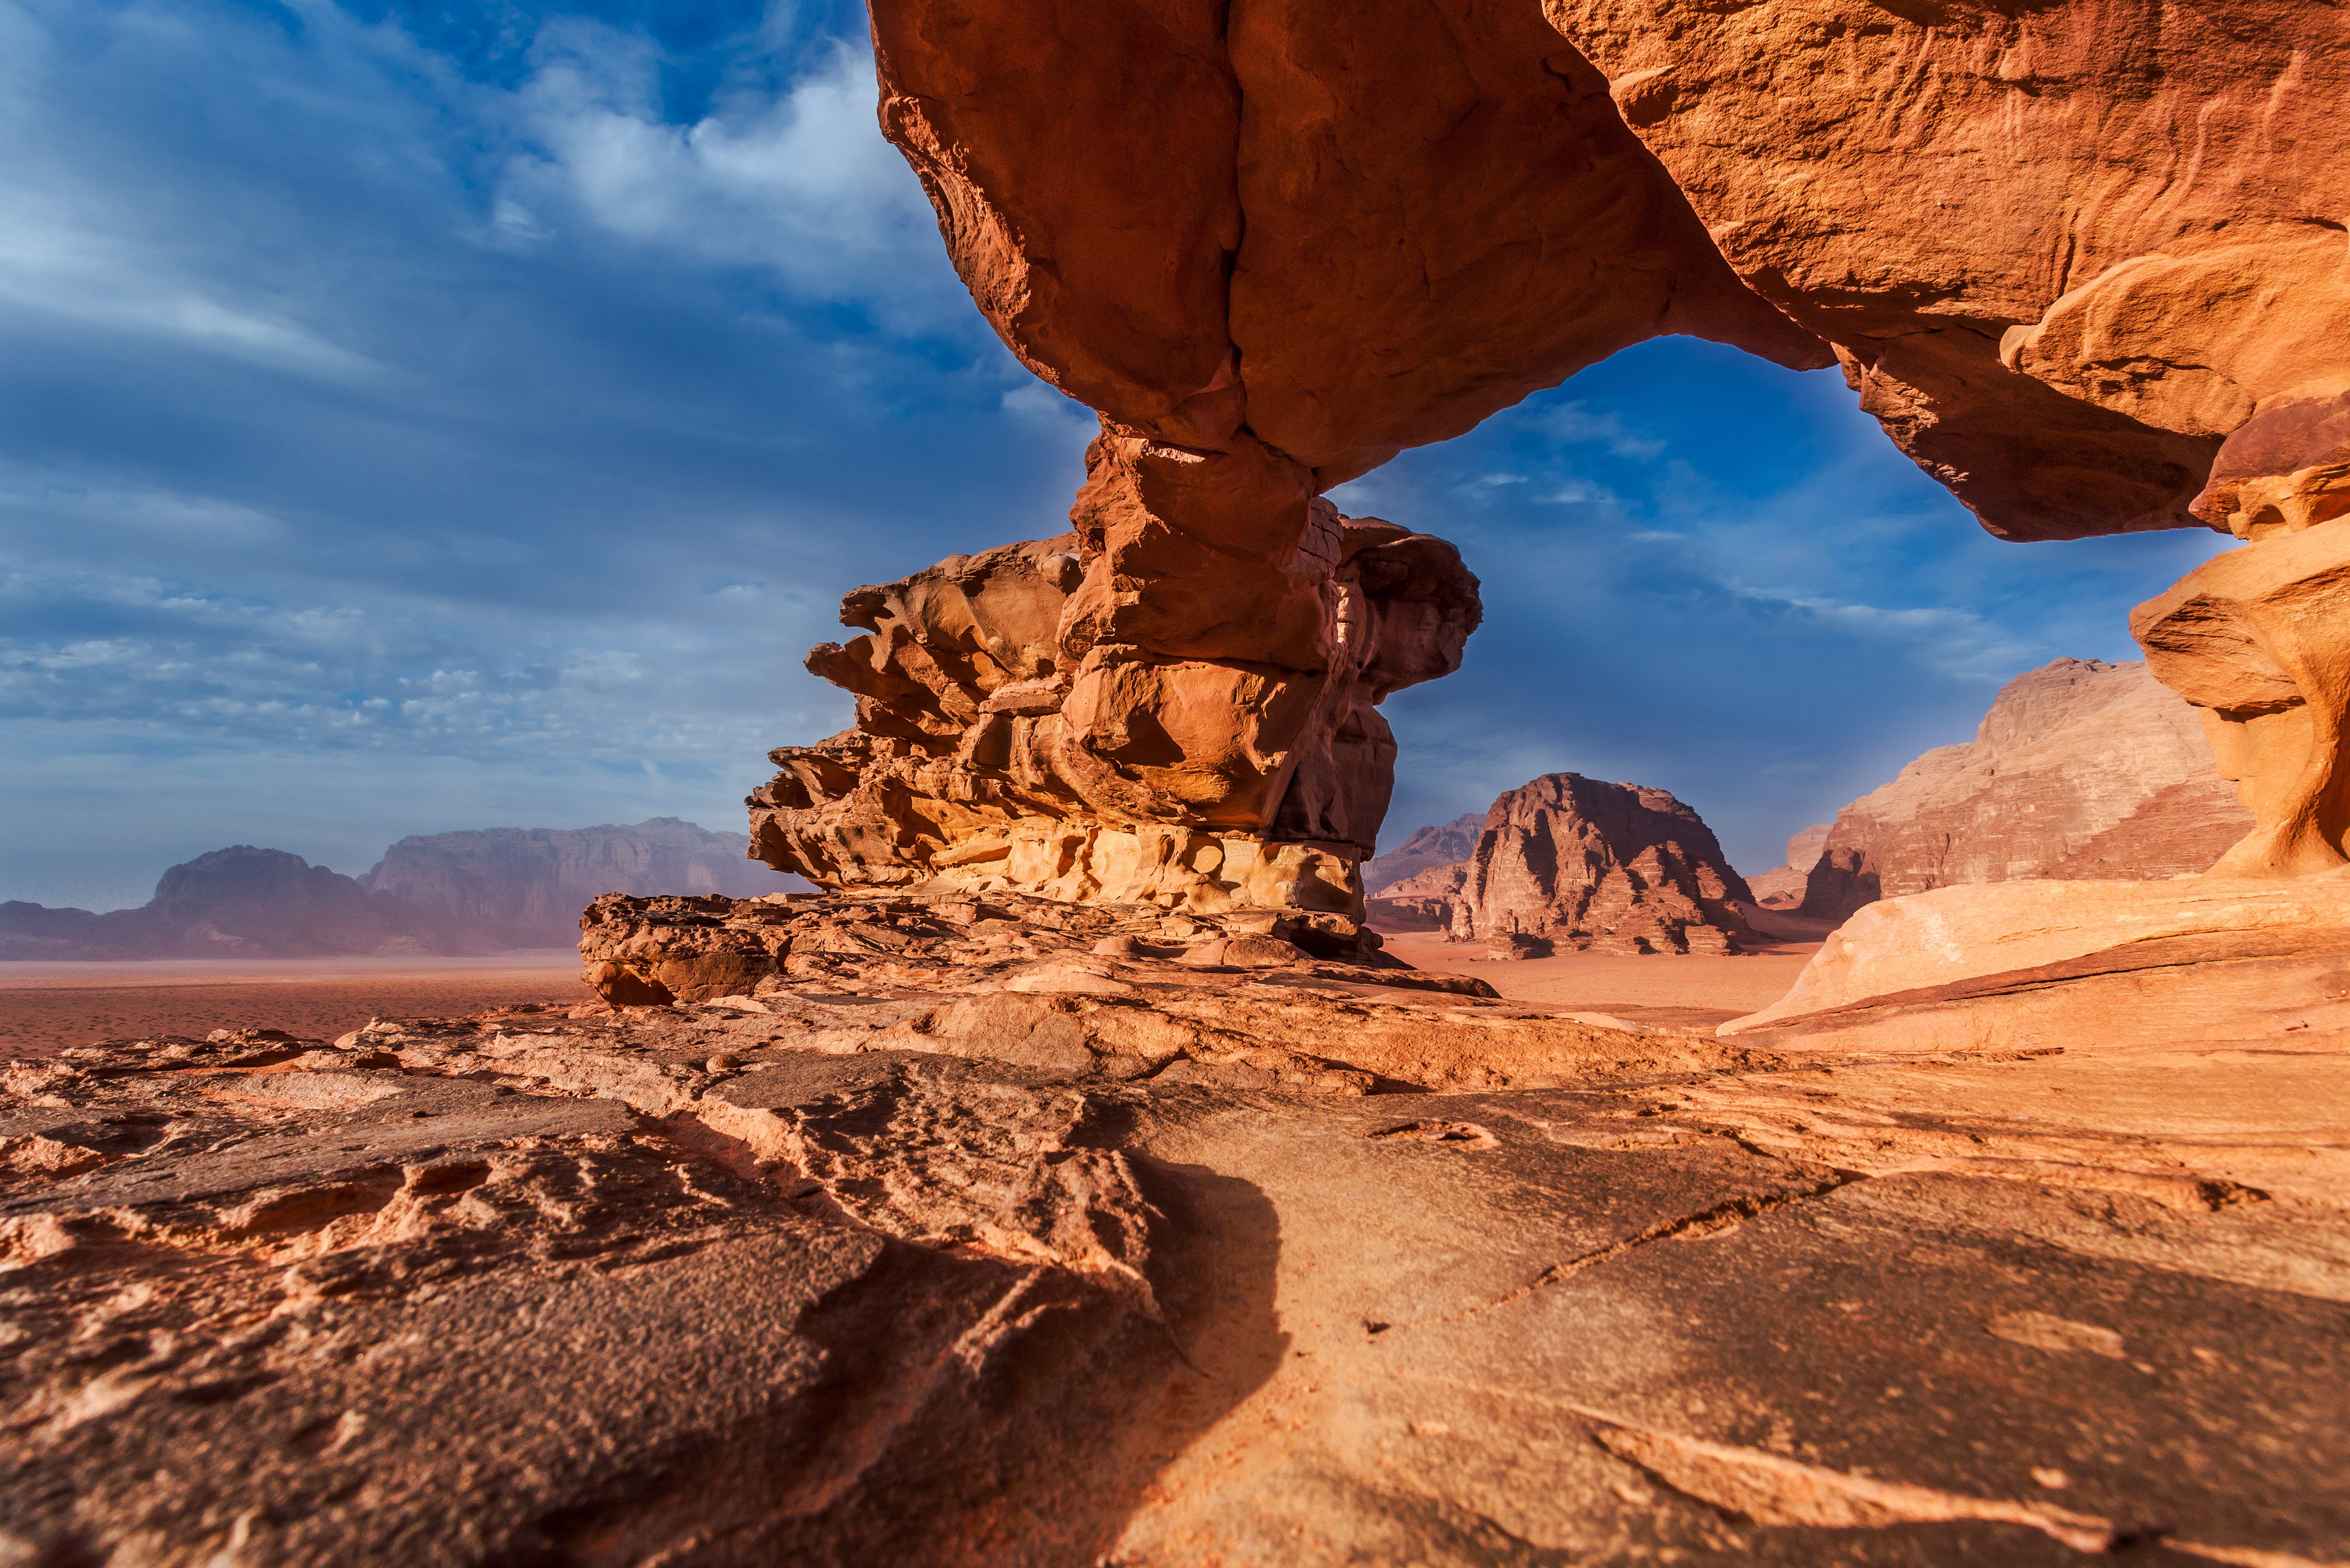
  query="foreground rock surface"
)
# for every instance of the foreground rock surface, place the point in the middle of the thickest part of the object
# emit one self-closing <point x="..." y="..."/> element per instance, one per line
<point x="843" y="1275"/>
<point x="2080" y="770"/>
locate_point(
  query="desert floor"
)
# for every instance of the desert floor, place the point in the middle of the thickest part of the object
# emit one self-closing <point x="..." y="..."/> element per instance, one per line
<point x="47" y="1006"/>
<point x="1688" y="992"/>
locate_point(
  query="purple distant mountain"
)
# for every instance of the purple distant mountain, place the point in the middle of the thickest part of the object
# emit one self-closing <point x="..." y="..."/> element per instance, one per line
<point x="451" y="893"/>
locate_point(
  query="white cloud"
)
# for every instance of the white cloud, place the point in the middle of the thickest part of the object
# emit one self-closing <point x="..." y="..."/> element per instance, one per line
<point x="805" y="185"/>
<point x="66" y="265"/>
<point x="1576" y="425"/>
<point x="1041" y="407"/>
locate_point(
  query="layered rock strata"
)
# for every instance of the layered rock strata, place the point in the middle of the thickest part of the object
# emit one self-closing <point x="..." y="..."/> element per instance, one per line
<point x="1568" y="863"/>
<point x="1206" y="746"/>
<point x="857" y="1272"/>
<point x="2040" y="966"/>
<point x="2080" y="769"/>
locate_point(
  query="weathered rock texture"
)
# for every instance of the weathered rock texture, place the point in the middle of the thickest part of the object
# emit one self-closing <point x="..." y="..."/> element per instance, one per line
<point x="1567" y="863"/>
<point x="1990" y="211"/>
<point x="1188" y="725"/>
<point x="2080" y="769"/>
<point x="1428" y="849"/>
<point x="2259" y="641"/>
<point x="861" y="1269"/>
<point x="1783" y="887"/>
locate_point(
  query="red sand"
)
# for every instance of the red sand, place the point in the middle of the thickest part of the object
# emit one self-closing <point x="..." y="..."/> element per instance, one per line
<point x="1689" y="992"/>
<point x="45" y="1006"/>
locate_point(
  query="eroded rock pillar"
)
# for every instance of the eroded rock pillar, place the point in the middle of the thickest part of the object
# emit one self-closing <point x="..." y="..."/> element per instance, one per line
<point x="1176" y="703"/>
<point x="2259" y="639"/>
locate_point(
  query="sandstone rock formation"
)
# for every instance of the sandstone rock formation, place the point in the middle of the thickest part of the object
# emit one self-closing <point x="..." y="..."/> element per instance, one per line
<point x="1567" y="863"/>
<point x="1212" y="744"/>
<point x="1428" y="849"/>
<point x="2080" y="769"/>
<point x="1274" y="245"/>
<point x="2259" y="641"/>
<point x="881" y="1266"/>
<point x="1782" y="885"/>
<point x="1425" y="900"/>
<point x="523" y="887"/>
<point x="1982" y="208"/>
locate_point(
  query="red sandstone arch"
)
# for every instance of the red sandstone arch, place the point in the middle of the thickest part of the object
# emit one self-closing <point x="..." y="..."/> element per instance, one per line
<point x="2064" y="249"/>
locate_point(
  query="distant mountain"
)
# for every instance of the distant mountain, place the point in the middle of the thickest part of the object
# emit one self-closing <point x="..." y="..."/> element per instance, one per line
<point x="239" y="902"/>
<point x="451" y="893"/>
<point x="1445" y="844"/>
<point x="530" y="883"/>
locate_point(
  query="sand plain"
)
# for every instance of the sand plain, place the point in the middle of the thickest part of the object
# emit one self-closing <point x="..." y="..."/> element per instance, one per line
<point x="45" y="1006"/>
<point x="1681" y="991"/>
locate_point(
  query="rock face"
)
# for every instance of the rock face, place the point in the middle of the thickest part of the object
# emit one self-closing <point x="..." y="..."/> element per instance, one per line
<point x="1446" y="843"/>
<point x="1567" y="863"/>
<point x="883" y="1264"/>
<point x="2259" y="642"/>
<point x="1208" y="740"/>
<point x="2080" y="769"/>
<point x="2065" y="369"/>
<point x="1782" y="885"/>
<point x="526" y="885"/>
<point x="1295" y="240"/>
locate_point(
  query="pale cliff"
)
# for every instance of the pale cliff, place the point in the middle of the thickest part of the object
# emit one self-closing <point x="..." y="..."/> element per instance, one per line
<point x="2080" y="769"/>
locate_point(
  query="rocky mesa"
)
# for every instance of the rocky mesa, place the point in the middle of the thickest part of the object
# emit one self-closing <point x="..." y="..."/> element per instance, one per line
<point x="1570" y="864"/>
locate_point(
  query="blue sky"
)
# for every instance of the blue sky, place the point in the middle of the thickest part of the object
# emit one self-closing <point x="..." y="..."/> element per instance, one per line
<point x="427" y="418"/>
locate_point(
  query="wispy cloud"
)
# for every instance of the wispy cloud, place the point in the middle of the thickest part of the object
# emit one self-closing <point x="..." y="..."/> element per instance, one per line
<point x="802" y="184"/>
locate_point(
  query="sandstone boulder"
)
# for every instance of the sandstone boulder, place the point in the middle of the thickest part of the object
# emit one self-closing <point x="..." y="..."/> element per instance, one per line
<point x="2259" y="641"/>
<point x="2080" y="769"/>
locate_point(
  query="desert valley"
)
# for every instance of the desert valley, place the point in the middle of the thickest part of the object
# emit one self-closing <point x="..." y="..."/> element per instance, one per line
<point x="1054" y="1133"/>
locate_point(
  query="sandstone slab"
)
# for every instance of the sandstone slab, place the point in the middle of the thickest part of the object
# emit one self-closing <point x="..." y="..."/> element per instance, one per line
<point x="786" y="1276"/>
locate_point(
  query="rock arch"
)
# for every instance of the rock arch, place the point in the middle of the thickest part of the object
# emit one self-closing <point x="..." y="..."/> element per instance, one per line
<point x="2084" y="259"/>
